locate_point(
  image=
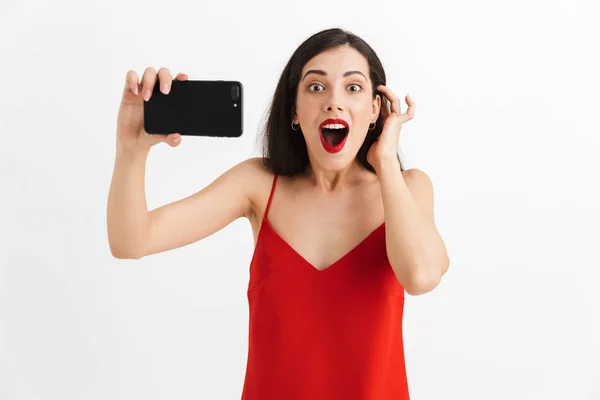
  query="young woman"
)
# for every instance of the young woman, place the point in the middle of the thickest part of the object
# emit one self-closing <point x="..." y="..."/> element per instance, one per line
<point x="341" y="230"/>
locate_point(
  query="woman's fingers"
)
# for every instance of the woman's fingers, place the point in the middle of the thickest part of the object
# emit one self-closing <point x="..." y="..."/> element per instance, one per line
<point x="148" y="81"/>
<point x="165" y="78"/>
<point x="132" y="82"/>
<point x="149" y="78"/>
<point x="173" y="139"/>
<point x="411" y="107"/>
<point x="394" y="100"/>
<point x="395" y="106"/>
<point x="385" y="107"/>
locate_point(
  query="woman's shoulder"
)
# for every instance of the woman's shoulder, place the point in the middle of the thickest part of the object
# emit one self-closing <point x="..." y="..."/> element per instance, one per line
<point x="255" y="170"/>
<point x="257" y="178"/>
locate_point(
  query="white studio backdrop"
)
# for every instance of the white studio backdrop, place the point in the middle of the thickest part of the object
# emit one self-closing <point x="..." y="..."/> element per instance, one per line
<point x="506" y="126"/>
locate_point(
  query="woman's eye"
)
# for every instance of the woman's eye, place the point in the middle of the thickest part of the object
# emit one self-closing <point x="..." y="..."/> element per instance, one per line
<point x="314" y="85"/>
<point x="317" y="87"/>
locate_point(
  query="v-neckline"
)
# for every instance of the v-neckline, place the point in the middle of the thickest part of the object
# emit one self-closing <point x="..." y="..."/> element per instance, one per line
<point x="308" y="263"/>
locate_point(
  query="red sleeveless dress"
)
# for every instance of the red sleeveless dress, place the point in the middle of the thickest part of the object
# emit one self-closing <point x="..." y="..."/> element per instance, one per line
<point x="334" y="334"/>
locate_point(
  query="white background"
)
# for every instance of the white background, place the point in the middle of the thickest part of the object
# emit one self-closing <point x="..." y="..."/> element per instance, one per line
<point x="506" y="126"/>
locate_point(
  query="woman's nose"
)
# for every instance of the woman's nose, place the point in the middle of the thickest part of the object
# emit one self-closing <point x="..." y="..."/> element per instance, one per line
<point x="333" y="100"/>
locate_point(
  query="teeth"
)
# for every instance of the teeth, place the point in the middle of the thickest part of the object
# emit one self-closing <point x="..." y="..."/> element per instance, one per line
<point x="334" y="126"/>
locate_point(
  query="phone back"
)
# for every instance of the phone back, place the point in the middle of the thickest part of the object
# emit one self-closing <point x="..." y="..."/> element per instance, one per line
<point x="196" y="108"/>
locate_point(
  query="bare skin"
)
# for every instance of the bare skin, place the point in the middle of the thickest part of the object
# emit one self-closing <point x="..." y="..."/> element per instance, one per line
<point x="322" y="213"/>
<point x="321" y="226"/>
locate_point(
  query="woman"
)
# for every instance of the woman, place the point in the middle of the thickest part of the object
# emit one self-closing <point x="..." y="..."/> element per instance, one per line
<point x="341" y="230"/>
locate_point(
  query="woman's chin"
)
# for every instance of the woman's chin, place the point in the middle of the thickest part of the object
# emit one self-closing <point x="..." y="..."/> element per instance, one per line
<point x="333" y="161"/>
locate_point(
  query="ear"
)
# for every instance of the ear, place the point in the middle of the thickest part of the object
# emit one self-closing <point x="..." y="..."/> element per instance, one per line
<point x="376" y="107"/>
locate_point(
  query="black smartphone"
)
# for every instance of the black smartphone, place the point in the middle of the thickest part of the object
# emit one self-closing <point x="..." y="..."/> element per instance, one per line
<point x="196" y="108"/>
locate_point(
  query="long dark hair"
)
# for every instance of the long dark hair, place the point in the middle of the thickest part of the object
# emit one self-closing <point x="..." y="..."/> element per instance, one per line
<point x="284" y="150"/>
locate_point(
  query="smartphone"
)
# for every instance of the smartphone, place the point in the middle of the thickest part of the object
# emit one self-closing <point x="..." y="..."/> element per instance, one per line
<point x="196" y="108"/>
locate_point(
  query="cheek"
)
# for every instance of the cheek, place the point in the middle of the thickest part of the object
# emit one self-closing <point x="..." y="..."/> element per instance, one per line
<point x="361" y="118"/>
<point x="306" y="102"/>
<point x="361" y="113"/>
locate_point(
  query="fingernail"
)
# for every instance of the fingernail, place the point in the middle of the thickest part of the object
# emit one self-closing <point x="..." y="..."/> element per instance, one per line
<point x="135" y="89"/>
<point x="164" y="88"/>
<point x="147" y="94"/>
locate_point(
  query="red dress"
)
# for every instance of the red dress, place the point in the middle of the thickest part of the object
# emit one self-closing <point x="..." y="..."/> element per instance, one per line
<point x="334" y="334"/>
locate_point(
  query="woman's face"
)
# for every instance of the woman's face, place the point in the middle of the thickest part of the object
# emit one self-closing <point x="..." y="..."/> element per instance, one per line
<point x="334" y="106"/>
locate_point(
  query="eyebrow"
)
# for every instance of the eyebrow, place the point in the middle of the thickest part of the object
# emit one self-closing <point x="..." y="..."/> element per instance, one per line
<point x="323" y="73"/>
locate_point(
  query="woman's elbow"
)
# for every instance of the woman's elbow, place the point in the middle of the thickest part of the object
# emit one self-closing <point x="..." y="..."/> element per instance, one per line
<point x="421" y="283"/>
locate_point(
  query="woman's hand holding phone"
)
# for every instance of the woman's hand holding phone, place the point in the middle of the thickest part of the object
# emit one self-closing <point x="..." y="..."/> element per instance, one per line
<point x="130" y="120"/>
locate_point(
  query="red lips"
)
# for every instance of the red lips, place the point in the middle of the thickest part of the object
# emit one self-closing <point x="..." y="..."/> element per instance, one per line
<point x="338" y="147"/>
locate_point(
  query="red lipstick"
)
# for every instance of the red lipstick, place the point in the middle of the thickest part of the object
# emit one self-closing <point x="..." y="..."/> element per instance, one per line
<point x="330" y="148"/>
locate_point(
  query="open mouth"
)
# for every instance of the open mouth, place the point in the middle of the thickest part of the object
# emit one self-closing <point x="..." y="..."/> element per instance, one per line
<point x="334" y="134"/>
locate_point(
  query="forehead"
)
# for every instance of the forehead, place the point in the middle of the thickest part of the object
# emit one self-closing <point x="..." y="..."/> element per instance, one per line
<point x="337" y="61"/>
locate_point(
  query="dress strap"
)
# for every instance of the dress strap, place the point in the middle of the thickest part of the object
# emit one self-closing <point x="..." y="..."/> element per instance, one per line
<point x="271" y="195"/>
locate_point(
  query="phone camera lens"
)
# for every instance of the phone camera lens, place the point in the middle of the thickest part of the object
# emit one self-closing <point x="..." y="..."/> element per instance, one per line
<point x="235" y="92"/>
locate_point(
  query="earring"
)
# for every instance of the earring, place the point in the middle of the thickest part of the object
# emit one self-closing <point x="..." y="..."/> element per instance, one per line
<point x="372" y="123"/>
<point x="295" y="126"/>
